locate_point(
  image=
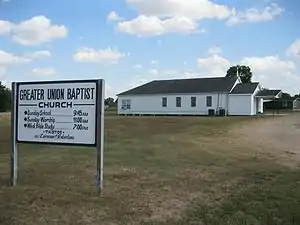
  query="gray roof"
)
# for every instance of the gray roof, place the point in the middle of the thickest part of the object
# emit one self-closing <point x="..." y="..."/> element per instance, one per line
<point x="195" y="85"/>
<point x="245" y="88"/>
<point x="268" y="93"/>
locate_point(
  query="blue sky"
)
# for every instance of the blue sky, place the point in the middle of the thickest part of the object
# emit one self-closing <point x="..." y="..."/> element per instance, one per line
<point x="129" y="42"/>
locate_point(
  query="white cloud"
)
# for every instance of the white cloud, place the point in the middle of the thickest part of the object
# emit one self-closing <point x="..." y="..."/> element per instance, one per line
<point x="253" y="15"/>
<point x="34" y="31"/>
<point x="138" y="66"/>
<point x="39" y="54"/>
<point x="2" y="71"/>
<point x="96" y="56"/>
<point x="274" y="72"/>
<point x="110" y="91"/>
<point x="154" y="26"/>
<point x="191" y="74"/>
<point x="5" y="27"/>
<point x="214" y="65"/>
<point x="271" y="64"/>
<point x="194" y="9"/>
<point x="159" y="17"/>
<point x="294" y="49"/>
<point x="153" y="71"/>
<point x="215" y="50"/>
<point x="171" y="72"/>
<point x="44" y="71"/>
<point x="153" y="62"/>
<point x="113" y="16"/>
<point x="8" y="58"/>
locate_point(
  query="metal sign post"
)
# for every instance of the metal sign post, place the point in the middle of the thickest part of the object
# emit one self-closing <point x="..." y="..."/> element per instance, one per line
<point x="61" y="113"/>
<point x="100" y="141"/>
<point x="14" y="148"/>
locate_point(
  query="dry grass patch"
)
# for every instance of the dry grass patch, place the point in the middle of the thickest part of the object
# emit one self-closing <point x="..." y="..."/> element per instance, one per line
<point x="164" y="170"/>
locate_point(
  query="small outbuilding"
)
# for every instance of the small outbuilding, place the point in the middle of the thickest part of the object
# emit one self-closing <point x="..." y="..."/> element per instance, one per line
<point x="197" y="96"/>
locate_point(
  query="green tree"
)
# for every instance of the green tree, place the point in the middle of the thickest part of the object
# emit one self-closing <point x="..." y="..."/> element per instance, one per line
<point x="244" y="72"/>
<point x="5" y="98"/>
<point x="109" y="101"/>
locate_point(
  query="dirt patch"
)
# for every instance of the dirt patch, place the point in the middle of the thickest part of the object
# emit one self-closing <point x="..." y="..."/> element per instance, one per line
<point x="274" y="137"/>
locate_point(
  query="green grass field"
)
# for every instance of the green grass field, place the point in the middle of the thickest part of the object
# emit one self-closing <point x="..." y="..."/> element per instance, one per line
<point x="158" y="170"/>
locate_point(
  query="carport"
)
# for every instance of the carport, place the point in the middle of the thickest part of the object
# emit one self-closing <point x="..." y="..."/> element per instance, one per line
<point x="266" y="95"/>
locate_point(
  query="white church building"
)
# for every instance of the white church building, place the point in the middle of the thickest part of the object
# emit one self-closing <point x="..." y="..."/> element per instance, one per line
<point x="197" y="96"/>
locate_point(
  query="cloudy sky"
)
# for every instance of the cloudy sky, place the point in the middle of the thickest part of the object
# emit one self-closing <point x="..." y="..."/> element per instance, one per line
<point x="129" y="42"/>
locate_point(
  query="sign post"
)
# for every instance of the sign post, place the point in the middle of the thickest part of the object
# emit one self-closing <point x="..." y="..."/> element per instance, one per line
<point x="61" y="113"/>
<point x="14" y="150"/>
<point x="100" y="142"/>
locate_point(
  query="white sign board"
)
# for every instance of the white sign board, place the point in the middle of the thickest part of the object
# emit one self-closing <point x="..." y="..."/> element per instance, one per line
<point x="62" y="112"/>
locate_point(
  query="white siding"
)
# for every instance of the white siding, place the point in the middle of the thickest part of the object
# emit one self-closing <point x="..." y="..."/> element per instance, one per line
<point x="255" y="102"/>
<point x="253" y="105"/>
<point x="261" y="105"/>
<point x="240" y="105"/>
<point x="152" y="104"/>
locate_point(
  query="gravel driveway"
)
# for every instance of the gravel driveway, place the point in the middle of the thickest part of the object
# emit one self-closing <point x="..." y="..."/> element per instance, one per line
<point x="276" y="137"/>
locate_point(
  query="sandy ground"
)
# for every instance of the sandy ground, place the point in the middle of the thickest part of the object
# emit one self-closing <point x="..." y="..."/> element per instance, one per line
<point x="276" y="137"/>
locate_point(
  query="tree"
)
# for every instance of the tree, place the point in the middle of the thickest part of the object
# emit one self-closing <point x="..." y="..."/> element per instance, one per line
<point x="109" y="101"/>
<point x="297" y="96"/>
<point x="243" y="71"/>
<point x="5" y="98"/>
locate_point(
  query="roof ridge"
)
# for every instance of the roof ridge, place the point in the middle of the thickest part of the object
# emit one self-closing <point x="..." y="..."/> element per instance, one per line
<point x="197" y="78"/>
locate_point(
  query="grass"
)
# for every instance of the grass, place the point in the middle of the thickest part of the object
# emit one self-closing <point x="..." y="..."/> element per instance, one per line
<point x="158" y="170"/>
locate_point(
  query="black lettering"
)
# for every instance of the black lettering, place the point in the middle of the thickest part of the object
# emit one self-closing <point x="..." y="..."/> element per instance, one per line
<point x="56" y="94"/>
<point x="41" y="94"/>
<point x="93" y="89"/>
<point x="80" y="93"/>
<point x="77" y="92"/>
<point x="69" y="105"/>
<point x="55" y="105"/>
<point x="31" y="94"/>
<point x="69" y="93"/>
<point x="73" y="95"/>
<point x="87" y="93"/>
<point x="82" y="90"/>
<point x="24" y="94"/>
